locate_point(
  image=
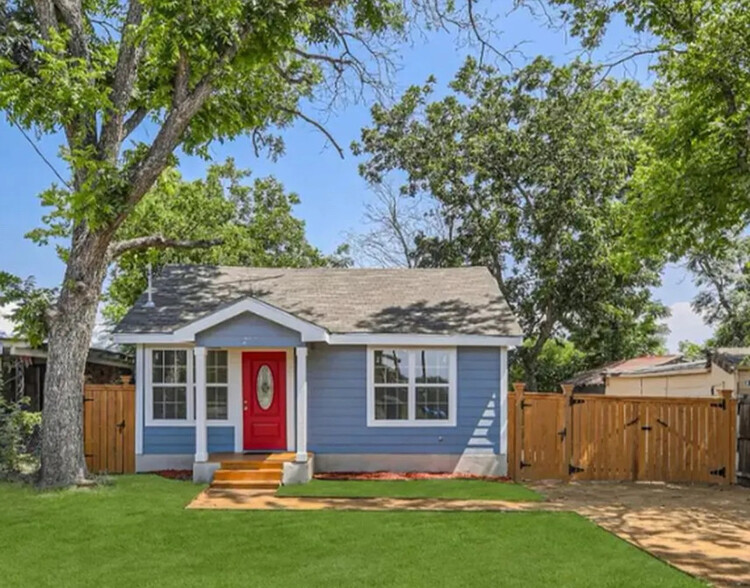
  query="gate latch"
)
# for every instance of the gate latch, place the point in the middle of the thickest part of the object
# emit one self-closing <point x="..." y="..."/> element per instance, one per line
<point x="524" y="464"/>
<point x="646" y="428"/>
<point x="722" y="471"/>
<point x="121" y="425"/>
<point x="563" y="433"/>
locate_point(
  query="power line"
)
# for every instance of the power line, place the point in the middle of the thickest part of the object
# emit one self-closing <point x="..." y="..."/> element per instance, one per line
<point x="38" y="151"/>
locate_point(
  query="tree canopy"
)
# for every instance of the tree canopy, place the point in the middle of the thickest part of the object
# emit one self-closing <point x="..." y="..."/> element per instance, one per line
<point x="252" y="224"/>
<point x="693" y="177"/>
<point x="531" y="169"/>
<point x="129" y="85"/>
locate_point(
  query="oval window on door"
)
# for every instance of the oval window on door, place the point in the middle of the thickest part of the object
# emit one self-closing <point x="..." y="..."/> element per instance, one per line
<point x="264" y="387"/>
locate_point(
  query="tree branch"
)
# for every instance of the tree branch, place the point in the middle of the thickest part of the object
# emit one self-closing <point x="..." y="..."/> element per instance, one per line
<point x="126" y="71"/>
<point x="159" y="242"/>
<point x="318" y="126"/>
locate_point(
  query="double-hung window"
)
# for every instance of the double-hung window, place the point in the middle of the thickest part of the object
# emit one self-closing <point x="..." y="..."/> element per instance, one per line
<point x="173" y="375"/>
<point x="169" y="382"/>
<point x="411" y="387"/>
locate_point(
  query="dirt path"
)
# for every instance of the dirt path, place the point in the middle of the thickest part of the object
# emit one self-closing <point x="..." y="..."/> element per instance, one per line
<point x="704" y="530"/>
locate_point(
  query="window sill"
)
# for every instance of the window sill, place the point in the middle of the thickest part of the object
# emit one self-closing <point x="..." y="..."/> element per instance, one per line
<point x="186" y="423"/>
<point x="412" y="424"/>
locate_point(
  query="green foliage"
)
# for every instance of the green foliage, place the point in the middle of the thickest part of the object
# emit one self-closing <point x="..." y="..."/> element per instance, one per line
<point x="692" y="351"/>
<point x="693" y="173"/>
<point x="19" y="430"/>
<point x="723" y="278"/>
<point x="557" y="361"/>
<point x="531" y="170"/>
<point x="31" y="306"/>
<point x="255" y="222"/>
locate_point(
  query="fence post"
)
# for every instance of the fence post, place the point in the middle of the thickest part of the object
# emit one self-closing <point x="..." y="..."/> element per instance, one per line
<point x="567" y="390"/>
<point x="731" y="428"/>
<point x="519" y="388"/>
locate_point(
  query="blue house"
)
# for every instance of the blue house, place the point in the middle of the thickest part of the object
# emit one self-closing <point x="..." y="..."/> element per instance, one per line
<point x="326" y="369"/>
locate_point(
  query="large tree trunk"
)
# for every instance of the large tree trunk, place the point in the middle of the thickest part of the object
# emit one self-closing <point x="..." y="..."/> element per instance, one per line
<point x="72" y="324"/>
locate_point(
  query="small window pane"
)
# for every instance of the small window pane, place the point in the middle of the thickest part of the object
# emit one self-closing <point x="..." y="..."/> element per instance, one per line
<point x="392" y="366"/>
<point x="216" y="403"/>
<point x="216" y="367"/>
<point x="170" y="402"/>
<point x="432" y="366"/>
<point x="391" y="403"/>
<point x="432" y="403"/>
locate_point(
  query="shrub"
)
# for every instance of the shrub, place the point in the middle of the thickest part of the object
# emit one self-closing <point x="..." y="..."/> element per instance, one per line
<point x="19" y="438"/>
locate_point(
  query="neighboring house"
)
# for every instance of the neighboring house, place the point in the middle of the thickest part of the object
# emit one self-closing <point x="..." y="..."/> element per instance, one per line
<point x="366" y="369"/>
<point x="671" y="376"/>
<point x="23" y="368"/>
<point x="594" y="381"/>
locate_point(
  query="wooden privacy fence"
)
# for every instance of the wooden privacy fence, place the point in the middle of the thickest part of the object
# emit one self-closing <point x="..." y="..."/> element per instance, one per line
<point x="743" y="440"/>
<point x="109" y="428"/>
<point x="586" y="437"/>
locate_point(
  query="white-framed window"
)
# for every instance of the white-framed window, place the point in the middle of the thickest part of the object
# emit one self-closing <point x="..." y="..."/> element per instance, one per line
<point x="170" y="378"/>
<point x="217" y="385"/>
<point x="171" y="373"/>
<point x="411" y="386"/>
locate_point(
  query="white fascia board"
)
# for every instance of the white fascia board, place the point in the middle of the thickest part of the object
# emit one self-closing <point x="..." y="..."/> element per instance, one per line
<point x="417" y="339"/>
<point x="149" y="338"/>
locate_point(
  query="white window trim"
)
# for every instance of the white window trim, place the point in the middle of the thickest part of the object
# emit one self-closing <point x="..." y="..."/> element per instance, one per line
<point x="219" y="422"/>
<point x="412" y="421"/>
<point x="190" y="420"/>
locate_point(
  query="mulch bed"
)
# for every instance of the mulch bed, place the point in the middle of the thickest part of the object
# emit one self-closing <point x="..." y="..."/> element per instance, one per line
<point x="185" y="475"/>
<point x="406" y="476"/>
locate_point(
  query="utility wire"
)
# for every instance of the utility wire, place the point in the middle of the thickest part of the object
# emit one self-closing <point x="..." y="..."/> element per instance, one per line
<point x="38" y="151"/>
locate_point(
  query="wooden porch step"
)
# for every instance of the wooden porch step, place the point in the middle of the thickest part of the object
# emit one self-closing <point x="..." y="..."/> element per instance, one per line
<point x="246" y="484"/>
<point x="270" y="474"/>
<point x="252" y="465"/>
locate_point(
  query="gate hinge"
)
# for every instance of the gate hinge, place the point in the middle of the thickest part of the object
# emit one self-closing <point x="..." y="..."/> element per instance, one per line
<point x="576" y="401"/>
<point x="573" y="469"/>
<point x="722" y="405"/>
<point x="524" y="464"/>
<point x="563" y="433"/>
<point x="88" y="455"/>
<point x="88" y="399"/>
<point x="722" y="471"/>
<point x="524" y="404"/>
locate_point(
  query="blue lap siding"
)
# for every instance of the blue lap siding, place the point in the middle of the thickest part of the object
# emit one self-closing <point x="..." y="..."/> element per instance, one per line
<point x="337" y="407"/>
<point x="248" y="330"/>
<point x="181" y="440"/>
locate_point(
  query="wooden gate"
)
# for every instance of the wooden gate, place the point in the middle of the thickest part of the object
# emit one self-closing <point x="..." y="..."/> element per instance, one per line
<point x="587" y="437"/>
<point x="109" y="428"/>
<point x="743" y="440"/>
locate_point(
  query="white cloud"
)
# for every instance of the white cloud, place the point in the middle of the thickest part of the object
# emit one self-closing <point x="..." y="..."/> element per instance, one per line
<point x="685" y="324"/>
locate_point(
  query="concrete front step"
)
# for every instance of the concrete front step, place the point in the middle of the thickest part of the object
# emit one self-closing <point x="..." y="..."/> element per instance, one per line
<point x="270" y="474"/>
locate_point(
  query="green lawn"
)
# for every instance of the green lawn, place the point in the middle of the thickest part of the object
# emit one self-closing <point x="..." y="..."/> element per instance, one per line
<point x="136" y="533"/>
<point x="461" y="489"/>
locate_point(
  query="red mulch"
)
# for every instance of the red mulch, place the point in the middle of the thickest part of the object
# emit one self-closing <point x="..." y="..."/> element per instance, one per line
<point x="186" y="475"/>
<point x="406" y="476"/>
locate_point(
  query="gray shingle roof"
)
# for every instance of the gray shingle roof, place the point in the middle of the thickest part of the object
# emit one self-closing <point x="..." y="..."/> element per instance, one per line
<point x="463" y="301"/>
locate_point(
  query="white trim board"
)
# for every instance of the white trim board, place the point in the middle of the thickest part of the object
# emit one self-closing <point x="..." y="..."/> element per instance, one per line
<point x="349" y="339"/>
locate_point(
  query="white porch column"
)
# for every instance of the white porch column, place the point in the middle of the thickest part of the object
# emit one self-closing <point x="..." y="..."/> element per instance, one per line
<point x="201" y="433"/>
<point x="301" y="354"/>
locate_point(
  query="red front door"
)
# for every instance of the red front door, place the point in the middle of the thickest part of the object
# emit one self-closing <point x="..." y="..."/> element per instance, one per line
<point x="264" y="400"/>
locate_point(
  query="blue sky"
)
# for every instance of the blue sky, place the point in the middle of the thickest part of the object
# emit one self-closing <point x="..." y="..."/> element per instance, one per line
<point x="332" y="193"/>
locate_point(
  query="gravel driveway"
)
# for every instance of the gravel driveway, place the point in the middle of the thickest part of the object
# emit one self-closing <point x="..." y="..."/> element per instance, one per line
<point x="704" y="530"/>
